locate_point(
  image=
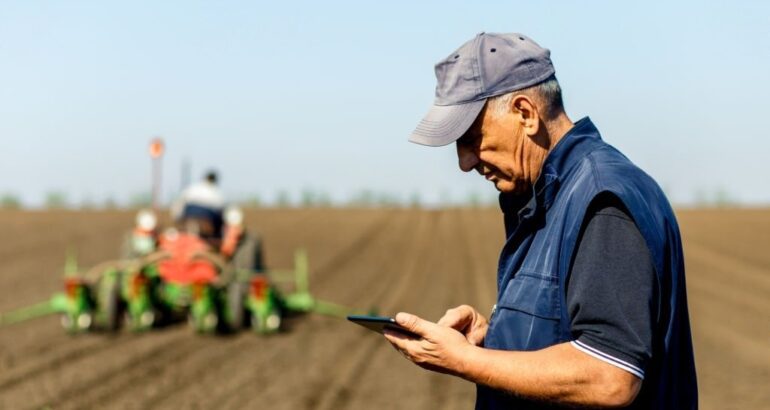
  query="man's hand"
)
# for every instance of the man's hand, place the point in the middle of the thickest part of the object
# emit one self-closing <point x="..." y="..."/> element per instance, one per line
<point x="440" y="348"/>
<point x="557" y="374"/>
<point x="468" y="321"/>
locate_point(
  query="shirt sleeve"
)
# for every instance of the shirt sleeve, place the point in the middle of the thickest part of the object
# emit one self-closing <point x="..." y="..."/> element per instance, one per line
<point x="612" y="289"/>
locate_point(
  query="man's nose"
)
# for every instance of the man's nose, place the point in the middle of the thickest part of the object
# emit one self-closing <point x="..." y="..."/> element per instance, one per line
<point x="467" y="159"/>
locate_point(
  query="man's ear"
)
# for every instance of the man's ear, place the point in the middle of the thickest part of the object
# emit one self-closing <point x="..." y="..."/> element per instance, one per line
<point x="527" y="114"/>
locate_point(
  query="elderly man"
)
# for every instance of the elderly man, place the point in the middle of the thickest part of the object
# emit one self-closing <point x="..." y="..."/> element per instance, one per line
<point x="591" y="306"/>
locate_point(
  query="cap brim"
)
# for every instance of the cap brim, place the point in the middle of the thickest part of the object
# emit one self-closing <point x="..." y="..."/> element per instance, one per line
<point x="445" y="124"/>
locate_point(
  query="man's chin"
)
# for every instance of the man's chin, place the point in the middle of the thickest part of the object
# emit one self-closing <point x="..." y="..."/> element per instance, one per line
<point x="509" y="187"/>
<point x="505" y="187"/>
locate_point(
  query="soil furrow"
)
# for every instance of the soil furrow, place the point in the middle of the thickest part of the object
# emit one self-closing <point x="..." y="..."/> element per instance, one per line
<point x="127" y="380"/>
<point x="340" y="354"/>
<point x="70" y="355"/>
<point x="421" y="261"/>
<point x="337" y="392"/>
<point x="378" y="233"/>
<point x="73" y="378"/>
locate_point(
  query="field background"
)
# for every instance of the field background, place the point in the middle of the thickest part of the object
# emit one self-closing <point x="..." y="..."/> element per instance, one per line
<point x="422" y="261"/>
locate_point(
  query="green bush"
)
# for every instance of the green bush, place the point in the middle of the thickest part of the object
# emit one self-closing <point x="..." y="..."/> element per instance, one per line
<point x="10" y="201"/>
<point x="140" y="200"/>
<point x="55" y="200"/>
<point x="253" y="201"/>
<point x="283" y="199"/>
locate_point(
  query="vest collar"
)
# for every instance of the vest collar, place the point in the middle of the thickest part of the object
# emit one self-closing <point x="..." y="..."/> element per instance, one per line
<point x="572" y="148"/>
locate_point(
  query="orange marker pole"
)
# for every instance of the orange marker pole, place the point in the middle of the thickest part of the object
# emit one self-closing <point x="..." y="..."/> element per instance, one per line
<point x="156" y="153"/>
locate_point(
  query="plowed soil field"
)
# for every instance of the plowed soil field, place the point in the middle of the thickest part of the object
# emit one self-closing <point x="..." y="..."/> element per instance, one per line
<point x="416" y="260"/>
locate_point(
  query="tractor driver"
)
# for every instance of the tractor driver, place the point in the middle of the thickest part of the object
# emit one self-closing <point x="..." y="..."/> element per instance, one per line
<point x="200" y="208"/>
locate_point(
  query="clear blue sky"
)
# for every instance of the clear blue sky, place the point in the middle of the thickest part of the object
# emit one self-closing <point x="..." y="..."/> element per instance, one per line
<point x="322" y="95"/>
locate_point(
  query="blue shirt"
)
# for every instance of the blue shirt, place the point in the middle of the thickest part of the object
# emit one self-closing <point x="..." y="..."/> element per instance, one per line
<point x="542" y="234"/>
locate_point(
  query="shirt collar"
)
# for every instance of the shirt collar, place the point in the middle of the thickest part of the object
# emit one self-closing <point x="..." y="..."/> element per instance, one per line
<point x="572" y="147"/>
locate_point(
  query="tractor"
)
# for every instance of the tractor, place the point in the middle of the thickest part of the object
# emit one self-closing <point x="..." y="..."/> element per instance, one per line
<point x="177" y="275"/>
<point x="216" y="280"/>
<point x="217" y="284"/>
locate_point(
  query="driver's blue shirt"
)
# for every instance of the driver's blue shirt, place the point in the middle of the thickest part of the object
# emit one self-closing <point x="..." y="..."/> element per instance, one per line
<point x="213" y="215"/>
<point x="534" y="269"/>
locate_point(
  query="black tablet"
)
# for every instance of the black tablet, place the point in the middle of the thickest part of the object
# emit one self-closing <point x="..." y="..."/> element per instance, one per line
<point x="379" y="323"/>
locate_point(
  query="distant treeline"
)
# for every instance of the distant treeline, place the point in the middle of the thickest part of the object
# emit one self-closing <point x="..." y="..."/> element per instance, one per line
<point x="309" y="198"/>
<point x="306" y="198"/>
<point x="60" y="200"/>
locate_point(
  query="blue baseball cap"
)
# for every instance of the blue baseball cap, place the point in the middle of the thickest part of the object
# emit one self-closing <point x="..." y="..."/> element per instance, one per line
<point x="486" y="66"/>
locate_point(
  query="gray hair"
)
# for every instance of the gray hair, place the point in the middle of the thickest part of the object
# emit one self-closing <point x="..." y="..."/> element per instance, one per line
<point x="547" y="96"/>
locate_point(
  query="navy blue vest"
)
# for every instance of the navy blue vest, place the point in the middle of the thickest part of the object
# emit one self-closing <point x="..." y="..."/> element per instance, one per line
<point x="542" y="234"/>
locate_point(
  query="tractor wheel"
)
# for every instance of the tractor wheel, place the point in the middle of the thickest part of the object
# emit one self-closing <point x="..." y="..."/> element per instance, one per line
<point x="236" y="309"/>
<point x="259" y="262"/>
<point x="249" y="255"/>
<point x="111" y="306"/>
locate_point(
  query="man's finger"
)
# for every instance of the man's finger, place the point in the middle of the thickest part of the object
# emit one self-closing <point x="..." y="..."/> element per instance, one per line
<point x="475" y="338"/>
<point x="400" y="335"/>
<point x="451" y="318"/>
<point x="414" y="324"/>
<point x="456" y="318"/>
<point x="398" y="339"/>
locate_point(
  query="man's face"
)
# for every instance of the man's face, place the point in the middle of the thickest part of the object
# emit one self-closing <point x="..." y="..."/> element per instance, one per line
<point x="494" y="147"/>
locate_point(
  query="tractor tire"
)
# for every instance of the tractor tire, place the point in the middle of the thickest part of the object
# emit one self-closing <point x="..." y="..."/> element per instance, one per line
<point x="236" y="305"/>
<point x="249" y="255"/>
<point x="111" y="306"/>
<point x="259" y="262"/>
